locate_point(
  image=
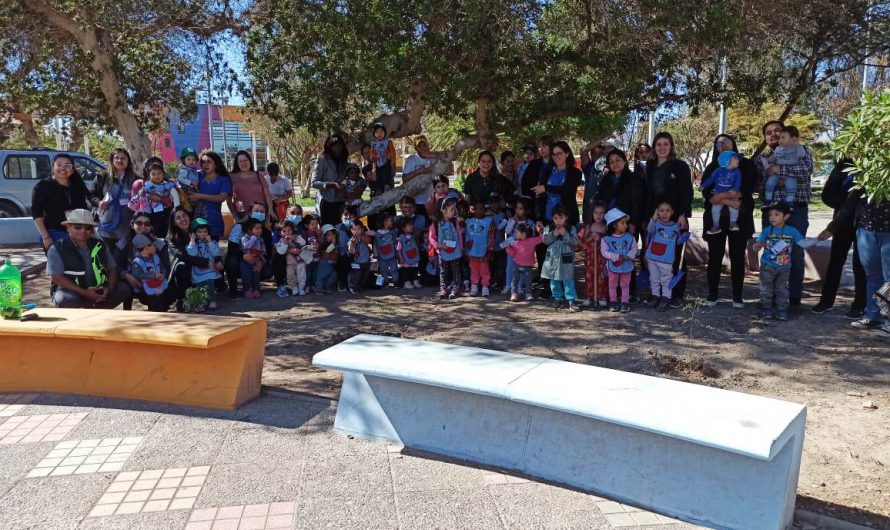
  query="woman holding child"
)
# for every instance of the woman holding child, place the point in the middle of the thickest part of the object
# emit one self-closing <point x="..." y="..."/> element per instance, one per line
<point x="743" y="202"/>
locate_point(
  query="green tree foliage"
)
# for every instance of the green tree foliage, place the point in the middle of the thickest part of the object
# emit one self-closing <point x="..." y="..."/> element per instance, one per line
<point x="865" y="138"/>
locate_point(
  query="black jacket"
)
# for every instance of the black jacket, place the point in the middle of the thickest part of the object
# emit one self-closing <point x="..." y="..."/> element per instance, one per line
<point x="536" y="173"/>
<point x="837" y="187"/>
<point x="627" y="195"/>
<point x="568" y="192"/>
<point x="749" y="184"/>
<point x="671" y="181"/>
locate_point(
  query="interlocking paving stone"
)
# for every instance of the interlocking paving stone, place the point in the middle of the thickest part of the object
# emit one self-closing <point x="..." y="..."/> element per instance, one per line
<point x="12" y="404"/>
<point x="76" y="457"/>
<point x="153" y="490"/>
<point x="243" y="517"/>
<point x="38" y="428"/>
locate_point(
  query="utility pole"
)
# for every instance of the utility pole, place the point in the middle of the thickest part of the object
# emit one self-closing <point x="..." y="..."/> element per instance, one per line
<point x="721" y="127"/>
<point x="209" y="103"/>
<point x="222" y="118"/>
<point x="651" y="127"/>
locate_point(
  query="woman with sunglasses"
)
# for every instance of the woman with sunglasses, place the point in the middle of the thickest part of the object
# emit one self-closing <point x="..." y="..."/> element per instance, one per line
<point x="140" y="225"/>
<point x="53" y="197"/>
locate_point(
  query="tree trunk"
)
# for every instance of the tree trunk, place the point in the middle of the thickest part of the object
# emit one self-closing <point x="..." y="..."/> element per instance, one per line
<point x="94" y="41"/>
<point x="28" y="129"/>
<point x="399" y="124"/>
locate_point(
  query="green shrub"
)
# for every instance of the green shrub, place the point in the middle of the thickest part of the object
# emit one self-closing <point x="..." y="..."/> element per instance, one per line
<point x="865" y="138"/>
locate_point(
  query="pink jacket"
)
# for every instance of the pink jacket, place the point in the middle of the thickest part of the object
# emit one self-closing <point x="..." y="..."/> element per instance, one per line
<point x="523" y="252"/>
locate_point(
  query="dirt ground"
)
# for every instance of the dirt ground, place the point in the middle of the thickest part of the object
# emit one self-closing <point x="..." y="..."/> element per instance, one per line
<point x="818" y="360"/>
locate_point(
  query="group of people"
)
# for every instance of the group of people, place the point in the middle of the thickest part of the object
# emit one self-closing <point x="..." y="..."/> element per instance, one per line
<point x="515" y="227"/>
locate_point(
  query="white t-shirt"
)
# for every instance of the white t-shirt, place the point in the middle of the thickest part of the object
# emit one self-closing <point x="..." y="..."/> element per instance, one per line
<point x="413" y="163"/>
<point x="280" y="186"/>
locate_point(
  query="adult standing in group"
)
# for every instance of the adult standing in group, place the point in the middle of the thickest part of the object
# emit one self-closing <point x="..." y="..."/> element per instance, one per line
<point x="803" y="172"/>
<point x="872" y="220"/>
<point x="842" y="232"/>
<point x="621" y="189"/>
<point x="743" y="201"/>
<point x="181" y="262"/>
<point x="329" y="171"/>
<point x="668" y="177"/>
<point x="112" y="193"/>
<point x="510" y="172"/>
<point x="248" y="187"/>
<point x="592" y="177"/>
<point x="83" y="270"/>
<point x="214" y="188"/>
<point x="538" y="170"/>
<point x="485" y="180"/>
<point x="280" y="189"/>
<point x="51" y="198"/>
<point x="419" y="164"/>
<point x="561" y="188"/>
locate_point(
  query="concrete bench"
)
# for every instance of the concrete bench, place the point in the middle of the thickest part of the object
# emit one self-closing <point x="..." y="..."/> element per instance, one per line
<point x="196" y="360"/>
<point x="704" y="455"/>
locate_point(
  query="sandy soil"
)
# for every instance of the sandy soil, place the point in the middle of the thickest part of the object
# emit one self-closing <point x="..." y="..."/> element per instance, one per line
<point x="817" y="360"/>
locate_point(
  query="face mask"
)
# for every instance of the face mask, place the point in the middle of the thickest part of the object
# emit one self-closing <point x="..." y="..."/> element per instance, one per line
<point x="259" y="216"/>
<point x="347" y="222"/>
<point x="293" y="218"/>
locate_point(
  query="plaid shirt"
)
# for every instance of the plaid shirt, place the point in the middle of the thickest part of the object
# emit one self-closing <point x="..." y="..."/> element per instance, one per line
<point x="803" y="170"/>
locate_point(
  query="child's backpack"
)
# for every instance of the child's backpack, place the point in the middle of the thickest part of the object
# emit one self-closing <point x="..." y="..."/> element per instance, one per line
<point x="138" y="201"/>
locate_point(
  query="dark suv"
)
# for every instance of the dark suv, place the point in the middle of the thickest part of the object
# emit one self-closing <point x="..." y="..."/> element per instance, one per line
<point x="20" y="171"/>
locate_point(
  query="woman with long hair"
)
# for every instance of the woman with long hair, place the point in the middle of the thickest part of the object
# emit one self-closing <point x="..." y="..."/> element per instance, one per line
<point x="52" y="197"/>
<point x="329" y="171"/>
<point x="248" y="187"/>
<point x="669" y="178"/>
<point x="214" y="188"/>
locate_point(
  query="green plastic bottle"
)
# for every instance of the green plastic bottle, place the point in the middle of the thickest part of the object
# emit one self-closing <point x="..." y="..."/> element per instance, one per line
<point x="10" y="291"/>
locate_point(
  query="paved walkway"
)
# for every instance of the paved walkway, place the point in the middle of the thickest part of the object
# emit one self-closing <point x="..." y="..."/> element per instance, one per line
<point x="81" y="462"/>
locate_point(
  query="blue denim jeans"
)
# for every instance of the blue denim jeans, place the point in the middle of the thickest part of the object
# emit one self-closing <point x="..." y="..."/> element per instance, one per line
<point x="874" y="253"/>
<point x="800" y="219"/>
<point x="326" y="275"/>
<point x="564" y="289"/>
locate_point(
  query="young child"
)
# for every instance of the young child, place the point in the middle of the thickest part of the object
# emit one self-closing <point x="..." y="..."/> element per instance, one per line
<point x="409" y="255"/>
<point x="480" y="247"/>
<point x="462" y="212"/>
<point x="559" y="263"/>
<point x="187" y="176"/>
<point x="326" y="278"/>
<point x="725" y="178"/>
<point x="361" y="258"/>
<point x="202" y="245"/>
<point x="594" y="266"/>
<point x="156" y="196"/>
<point x="789" y="153"/>
<point x="660" y="252"/>
<point x="234" y="252"/>
<point x="344" y="234"/>
<point x="385" y="251"/>
<point x="312" y="234"/>
<point x="354" y="185"/>
<point x="290" y="245"/>
<point x="295" y="215"/>
<point x="775" y="264"/>
<point x="441" y="190"/>
<point x="520" y="216"/>
<point x="619" y="248"/>
<point x="254" y="247"/>
<point x="384" y="149"/>
<point x="521" y="249"/>
<point x="446" y="241"/>
<point x="498" y="263"/>
<point x="148" y="270"/>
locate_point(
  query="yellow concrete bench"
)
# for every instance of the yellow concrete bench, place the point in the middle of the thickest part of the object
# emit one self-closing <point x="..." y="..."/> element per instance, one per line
<point x="174" y="358"/>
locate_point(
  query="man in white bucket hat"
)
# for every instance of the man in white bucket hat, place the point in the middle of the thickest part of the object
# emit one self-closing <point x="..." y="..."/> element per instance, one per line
<point x="82" y="268"/>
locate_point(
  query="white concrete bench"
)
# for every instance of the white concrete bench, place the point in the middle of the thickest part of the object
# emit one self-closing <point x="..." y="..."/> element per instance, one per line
<point x="704" y="455"/>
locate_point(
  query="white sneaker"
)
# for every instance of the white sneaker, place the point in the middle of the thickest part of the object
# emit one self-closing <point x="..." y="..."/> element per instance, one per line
<point x="486" y="292"/>
<point x="738" y="305"/>
<point x="303" y="291"/>
<point x="474" y="290"/>
<point x="409" y="285"/>
<point x="294" y="291"/>
<point x="417" y="284"/>
<point x="711" y="303"/>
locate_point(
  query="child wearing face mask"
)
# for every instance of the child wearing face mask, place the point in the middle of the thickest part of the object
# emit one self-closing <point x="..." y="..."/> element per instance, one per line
<point x="234" y="251"/>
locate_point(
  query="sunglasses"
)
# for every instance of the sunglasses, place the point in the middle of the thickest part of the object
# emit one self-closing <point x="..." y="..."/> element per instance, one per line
<point x="141" y="223"/>
<point x="558" y="153"/>
<point x="78" y="226"/>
